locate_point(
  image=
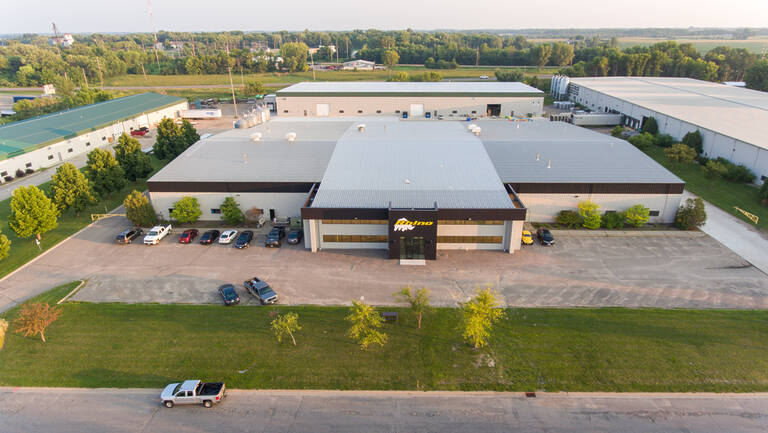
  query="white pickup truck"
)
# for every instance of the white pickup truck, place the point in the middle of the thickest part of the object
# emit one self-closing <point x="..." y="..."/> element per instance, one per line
<point x="156" y="234"/>
<point x="193" y="392"/>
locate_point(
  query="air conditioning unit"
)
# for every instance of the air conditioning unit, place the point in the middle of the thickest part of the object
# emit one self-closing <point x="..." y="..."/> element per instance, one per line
<point x="256" y="136"/>
<point x="291" y="136"/>
<point x="361" y="127"/>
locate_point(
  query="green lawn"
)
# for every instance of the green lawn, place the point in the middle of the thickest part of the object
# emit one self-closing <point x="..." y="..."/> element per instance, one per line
<point x="24" y="250"/>
<point x="720" y="193"/>
<point x="611" y="349"/>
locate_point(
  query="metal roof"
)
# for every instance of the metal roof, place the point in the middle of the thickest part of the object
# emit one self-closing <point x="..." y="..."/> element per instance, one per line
<point x="26" y="135"/>
<point x="735" y="112"/>
<point x="233" y="156"/>
<point x="521" y="152"/>
<point x="411" y="164"/>
<point x="382" y="88"/>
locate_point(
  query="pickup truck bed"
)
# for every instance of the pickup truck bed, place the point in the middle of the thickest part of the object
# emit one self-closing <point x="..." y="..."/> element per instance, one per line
<point x="210" y="388"/>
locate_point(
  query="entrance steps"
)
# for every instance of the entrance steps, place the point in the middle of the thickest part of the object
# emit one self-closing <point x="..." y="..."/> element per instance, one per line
<point x="413" y="262"/>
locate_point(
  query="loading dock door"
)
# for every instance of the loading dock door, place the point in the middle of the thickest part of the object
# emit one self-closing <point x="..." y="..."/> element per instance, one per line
<point x="323" y="110"/>
<point x="417" y="110"/>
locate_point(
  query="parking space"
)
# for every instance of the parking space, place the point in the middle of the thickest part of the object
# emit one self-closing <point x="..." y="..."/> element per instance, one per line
<point x="693" y="272"/>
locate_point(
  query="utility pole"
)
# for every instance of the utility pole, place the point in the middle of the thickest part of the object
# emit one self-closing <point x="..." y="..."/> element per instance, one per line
<point x="231" y="84"/>
<point x="154" y="32"/>
<point x="85" y="77"/>
<point x="101" y="77"/>
<point x="312" y="59"/>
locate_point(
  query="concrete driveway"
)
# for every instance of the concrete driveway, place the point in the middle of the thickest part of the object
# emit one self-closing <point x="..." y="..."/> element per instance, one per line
<point x="663" y="272"/>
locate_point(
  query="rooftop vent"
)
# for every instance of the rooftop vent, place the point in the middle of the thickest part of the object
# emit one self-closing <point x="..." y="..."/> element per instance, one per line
<point x="361" y="127"/>
<point x="291" y="137"/>
<point x="477" y="130"/>
<point x="538" y="156"/>
<point x="549" y="163"/>
<point x="256" y="136"/>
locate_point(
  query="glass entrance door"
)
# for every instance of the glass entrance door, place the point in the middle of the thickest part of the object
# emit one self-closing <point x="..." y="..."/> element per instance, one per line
<point x="412" y="248"/>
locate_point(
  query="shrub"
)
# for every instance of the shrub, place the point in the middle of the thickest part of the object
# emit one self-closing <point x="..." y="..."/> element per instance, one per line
<point x="638" y="215"/>
<point x="569" y="218"/>
<point x="186" y="210"/>
<point x="617" y="131"/>
<point x="664" y="140"/>
<point x="508" y="75"/>
<point x="29" y="171"/>
<point x="614" y="220"/>
<point x="714" y="169"/>
<point x="589" y="211"/>
<point x="20" y="173"/>
<point x="8" y="178"/>
<point x="736" y="173"/>
<point x="680" y="153"/>
<point x="650" y="126"/>
<point x="691" y="214"/>
<point x="694" y="140"/>
<point x="642" y="141"/>
<point x="230" y="211"/>
<point x="764" y="193"/>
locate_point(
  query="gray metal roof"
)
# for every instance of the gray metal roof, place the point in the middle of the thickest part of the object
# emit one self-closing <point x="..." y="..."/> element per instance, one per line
<point x="382" y="88"/>
<point x="233" y="156"/>
<point x="574" y="155"/>
<point x="411" y="164"/>
<point x="731" y="111"/>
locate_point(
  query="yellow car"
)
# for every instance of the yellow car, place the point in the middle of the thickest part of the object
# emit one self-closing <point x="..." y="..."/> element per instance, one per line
<point x="527" y="238"/>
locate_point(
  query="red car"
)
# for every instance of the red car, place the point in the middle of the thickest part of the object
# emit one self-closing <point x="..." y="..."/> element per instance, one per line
<point x="187" y="236"/>
<point x="140" y="132"/>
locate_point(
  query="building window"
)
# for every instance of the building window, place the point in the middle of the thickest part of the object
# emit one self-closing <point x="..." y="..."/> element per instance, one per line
<point x="654" y="213"/>
<point x="69" y="150"/>
<point x="29" y="165"/>
<point x="610" y="211"/>
<point x="103" y="138"/>
<point x="5" y="173"/>
<point x="355" y="238"/>
<point x="341" y="111"/>
<point x="471" y="223"/>
<point x="474" y="111"/>
<point x="454" y="111"/>
<point x="763" y="177"/>
<point x="359" y="111"/>
<point x="170" y="210"/>
<point x="355" y="222"/>
<point x="397" y="111"/>
<point x="378" y="111"/>
<point x="50" y="157"/>
<point x="87" y="143"/>
<point x="215" y="211"/>
<point x="469" y="239"/>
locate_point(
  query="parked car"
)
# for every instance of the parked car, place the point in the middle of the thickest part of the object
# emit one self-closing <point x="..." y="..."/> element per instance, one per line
<point x="229" y="294"/>
<point x="483" y="77"/>
<point x="227" y="236"/>
<point x="187" y="235"/>
<point x="193" y="392"/>
<point x="140" y="132"/>
<point x="209" y="237"/>
<point x="274" y="237"/>
<point x="295" y="236"/>
<point x="244" y="240"/>
<point x="127" y="236"/>
<point x="156" y="234"/>
<point x="261" y="291"/>
<point x="527" y="238"/>
<point x="545" y="237"/>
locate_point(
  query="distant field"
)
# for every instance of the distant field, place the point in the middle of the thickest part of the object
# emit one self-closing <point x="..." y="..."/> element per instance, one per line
<point x="287" y="78"/>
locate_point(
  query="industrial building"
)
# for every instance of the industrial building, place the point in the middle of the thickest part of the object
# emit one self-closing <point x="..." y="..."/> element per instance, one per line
<point x="410" y="99"/>
<point x="414" y="187"/>
<point x="48" y="140"/>
<point x="732" y="121"/>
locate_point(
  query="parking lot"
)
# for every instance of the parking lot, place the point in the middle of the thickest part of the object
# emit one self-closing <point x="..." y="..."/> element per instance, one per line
<point x="664" y="272"/>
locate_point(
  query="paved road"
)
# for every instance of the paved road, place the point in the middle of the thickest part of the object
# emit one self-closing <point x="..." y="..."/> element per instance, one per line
<point x="32" y="410"/>
<point x="742" y="238"/>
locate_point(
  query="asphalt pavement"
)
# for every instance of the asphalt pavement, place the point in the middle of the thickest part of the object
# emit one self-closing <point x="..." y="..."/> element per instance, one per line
<point x="62" y="410"/>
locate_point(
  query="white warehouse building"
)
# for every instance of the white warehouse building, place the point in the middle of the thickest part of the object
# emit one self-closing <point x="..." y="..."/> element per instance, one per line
<point x="410" y="99"/>
<point x="733" y="121"/>
<point x="46" y="141"/>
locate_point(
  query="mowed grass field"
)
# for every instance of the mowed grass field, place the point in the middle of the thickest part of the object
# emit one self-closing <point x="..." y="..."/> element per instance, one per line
<point x="289" y="78"/>
<point x="116" y="345"/>
<point x="24" y="250"/>
<point x="721" y="193"/>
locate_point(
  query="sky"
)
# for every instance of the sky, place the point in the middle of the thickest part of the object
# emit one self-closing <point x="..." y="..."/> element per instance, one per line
<point x="87" y="16"/>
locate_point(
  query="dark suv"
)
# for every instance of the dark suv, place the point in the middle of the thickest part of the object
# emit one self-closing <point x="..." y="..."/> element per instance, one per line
<point x="261" y="290"/>
<point x="128" y="236"/>
<point x="274" y="237"/>
<point x="244" y="239"/>
<point x="545" y="237"/>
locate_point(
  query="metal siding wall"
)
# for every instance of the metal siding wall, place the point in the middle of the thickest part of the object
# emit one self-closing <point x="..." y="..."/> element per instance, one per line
<point x="545" y="207"/>
<point x="285" y="204"/>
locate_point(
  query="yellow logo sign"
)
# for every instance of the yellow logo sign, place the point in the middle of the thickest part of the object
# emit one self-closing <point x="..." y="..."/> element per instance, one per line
<point x="404" y="225"/>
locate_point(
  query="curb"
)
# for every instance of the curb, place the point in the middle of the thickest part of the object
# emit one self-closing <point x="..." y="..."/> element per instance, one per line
<point x="629" y="234"/>
<point x="64" y="299"/>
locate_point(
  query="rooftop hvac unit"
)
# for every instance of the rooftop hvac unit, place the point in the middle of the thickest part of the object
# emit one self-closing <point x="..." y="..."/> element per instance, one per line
<point x="361" y="127"/>
<point x="291" y="137"/>
<point x="471" y="127"/>
<point x="477" y="130"/>
<point x="256" y="136"/>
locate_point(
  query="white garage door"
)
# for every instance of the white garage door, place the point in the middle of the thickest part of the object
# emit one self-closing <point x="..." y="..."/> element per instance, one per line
<point x="417" y="110"/>
<point x="323" y="110"/>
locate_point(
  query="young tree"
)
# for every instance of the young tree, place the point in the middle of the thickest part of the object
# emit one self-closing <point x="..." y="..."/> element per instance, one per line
<point x="400" y="76"/>
<point x="680" y="153"/>
<point x="642" y="141"/>
<point x="509" y="75"/>
<point x="390" y="58"/>
<point x="637" y="215"/>
<point x="70" y="189"/>
<point x="650" y="126"/>
<point x="294" y="56"/>
<point x="138" y="210"/>
<point x="34" y="318"/>
<point x="757" y="76"/>
<point x="189" y="135"/>
<point x="104" y="172"/>
<point x="590" y="213"/>
<point x="617" y="131"/>
<point x="186" y="210"/>
<point x="286" y="324"/>
<point x="691" y="214"/>
<point x="479" y="315"/>
<point x="664" y="140"/>
<point x="694" y="140"/>
<point x="614" y="220"/>
<point x="569" y="218"/>
<point x="135" y="163"/>
<point x="714" y="169"/>
<point x="366" y="322"/>
<point x="3" y="330"/>
<point x="764" y="193"/>
<point x="32" y="212"/>
<point x="168" y="139"/>
<point x="254" y="88"/>
<point x="5" y="246"/>
<point x="419" y="301"/>
<point x="230" y="211"/>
